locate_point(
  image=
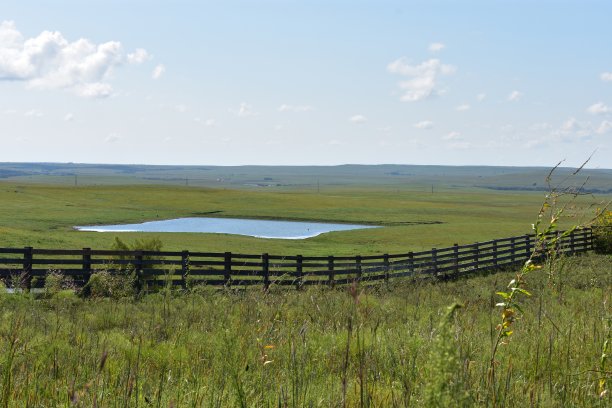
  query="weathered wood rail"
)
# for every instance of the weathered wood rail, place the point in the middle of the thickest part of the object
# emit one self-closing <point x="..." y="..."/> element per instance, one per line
<point x="27" y="267"/>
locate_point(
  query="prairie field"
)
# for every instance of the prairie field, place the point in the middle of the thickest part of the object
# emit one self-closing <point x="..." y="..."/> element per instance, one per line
<point x="403" y="343"/>
<point x="43" y="215"/>
<point x="378" y="346"/>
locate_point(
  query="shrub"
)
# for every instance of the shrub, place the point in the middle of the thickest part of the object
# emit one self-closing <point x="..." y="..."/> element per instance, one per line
<point x="56" y="282"/>
<point x="106" y="284"/>
<point x="602" y="232"/>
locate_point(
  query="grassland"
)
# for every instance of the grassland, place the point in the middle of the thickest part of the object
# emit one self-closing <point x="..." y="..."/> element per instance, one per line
<point x="44" y="216"/>
<point x="378" y="346"/>
<point x="375" y="346"/>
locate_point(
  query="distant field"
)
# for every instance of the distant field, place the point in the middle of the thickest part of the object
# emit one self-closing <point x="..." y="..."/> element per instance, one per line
<point x="312" y="178"/>
<point x="43" y="216"/>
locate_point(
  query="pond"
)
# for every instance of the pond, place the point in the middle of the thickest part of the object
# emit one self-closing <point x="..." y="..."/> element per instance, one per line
<point x="253" y="228"/>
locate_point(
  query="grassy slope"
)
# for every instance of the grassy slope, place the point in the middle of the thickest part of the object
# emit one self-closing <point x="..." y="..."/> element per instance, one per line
<point x="43" y="216"/>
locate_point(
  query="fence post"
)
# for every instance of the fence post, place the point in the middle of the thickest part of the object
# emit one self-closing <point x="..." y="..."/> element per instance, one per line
<point x="527" y="247"/>
<point x="184" y="268"/>
<point x="411" y="262"/>
<point x="477" y="255"/>
<point x="495" y="253"/>
<point x="386" y="266"/>
<point x="434" y="261"/>
<point x="86" y="265"/>
<point x="358" y="266"/>
<point x="227" y="268"/>
<point x="300" y="274"/>
<point x="585" y="239"/>
<point x="138" y="271"/>
<point x="26" y="280"/>
<point x="456" y="260"/>
<point x="330" y="269"/>
<point x="265" y="268"/>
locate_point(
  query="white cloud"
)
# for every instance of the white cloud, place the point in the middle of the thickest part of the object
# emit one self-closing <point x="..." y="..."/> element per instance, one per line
<point x="210" y="122"/>
<point x="94" y="90"/>
<point x="50" y="61"/>
<point x="423" y="77"/>
<point x="570" y="125"/>
<point x="158" y="71"/>
<point x="435" y="47"/>
<point x="424" y="124"/>
<point x="515" y="96"/>
<point x="463" y="107"/>
<point x="180" y="108"/>
<point x="138" y="57"/>
<point x="604" y="127"/>
<point x="540" y="126"/>
<point x="359" y="119"/>
<point x="572" y="130"/>
<point x="246" y="110"/>
<point x="69" y="117"/>
<point x="606" y="76"/>
<point x="481" y="97"/>
<point x="599" y="108"/>
<point x="454" y="135"/>
<point x="112" y="138"/>
<point x="33" y="113"/>
<point x="294" y="108"/>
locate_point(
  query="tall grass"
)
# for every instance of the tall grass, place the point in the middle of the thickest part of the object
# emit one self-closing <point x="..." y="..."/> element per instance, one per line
<point x="389" y="345"/>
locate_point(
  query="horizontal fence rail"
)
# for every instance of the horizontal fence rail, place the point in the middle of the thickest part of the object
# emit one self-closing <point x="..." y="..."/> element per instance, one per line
<point x="28" y="267"/>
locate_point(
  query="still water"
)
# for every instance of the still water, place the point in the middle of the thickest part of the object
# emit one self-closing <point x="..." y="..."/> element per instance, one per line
<point x="253" y="228"/>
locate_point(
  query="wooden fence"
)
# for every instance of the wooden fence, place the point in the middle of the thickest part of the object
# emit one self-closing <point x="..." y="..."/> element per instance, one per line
<point x="27" y="267"/>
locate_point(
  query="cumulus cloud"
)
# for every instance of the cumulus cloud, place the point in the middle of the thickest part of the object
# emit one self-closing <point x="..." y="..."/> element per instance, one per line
<point x="454" y="135"/>
<point x="158" y="71"/>
<point x="422" y="82"/>
<point x="424" y="124"/>
<point x="181" y="108"/>
<point x="138" y="57"/>
<point x="572" y="129"/>
<point x="245" y="110"/>
<point x="606" y="76"/>
<point x="69" y="117"/>
<point x="359" y="119"/>
<point x="514" y="96"/>
<point x="210" y="122"/>
<point x="604" y="127"/>
<point x="33" y="113"/>
<point x="463" y="107"/>
<point x="481" y="97"/>
<point x="112" y="137"/>
<point x="50" y="61"/>
<point x="599" y="108"/>
<point x="294" y="108"/>
<point x="435" y="47"/>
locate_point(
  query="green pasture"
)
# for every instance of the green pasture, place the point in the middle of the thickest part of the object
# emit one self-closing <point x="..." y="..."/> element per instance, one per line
<point x="389" y="345"/>
<point x="412" y="218"/>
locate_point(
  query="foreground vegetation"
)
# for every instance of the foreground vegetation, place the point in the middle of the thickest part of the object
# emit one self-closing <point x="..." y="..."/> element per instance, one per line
<point x="389" y="345"/>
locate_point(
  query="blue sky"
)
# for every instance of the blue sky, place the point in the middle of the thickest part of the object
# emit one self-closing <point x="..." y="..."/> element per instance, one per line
<point x="310" y="82"/>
